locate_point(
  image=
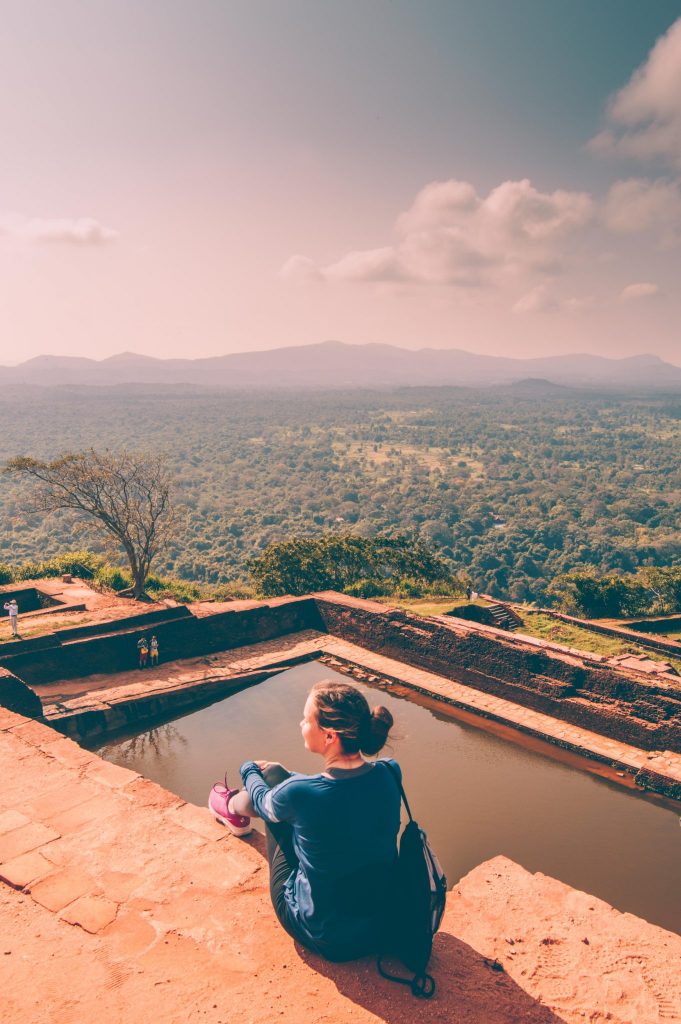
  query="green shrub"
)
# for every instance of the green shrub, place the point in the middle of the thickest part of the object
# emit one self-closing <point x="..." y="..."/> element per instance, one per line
<point x="367" y="588"/>
<point x="29" y="571"/>
<point x="6" y="573"/>
<point x="231" y="591"/>
<point x="79" y="563"/>
<point x="409" y="587"/>
<point x="169" y="586"/>
<point x="113" y="577"/>
<point x="302" y="565"/>
<point x="611" y="596"/>
<point x="444" y="588"/>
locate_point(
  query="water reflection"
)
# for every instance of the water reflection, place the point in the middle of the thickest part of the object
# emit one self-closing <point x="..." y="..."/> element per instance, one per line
<point x="477" y="794"/>
<point x="163" y="741"/>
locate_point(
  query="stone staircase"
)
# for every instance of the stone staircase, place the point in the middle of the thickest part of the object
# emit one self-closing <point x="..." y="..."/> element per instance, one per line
<point x="504" y="617"/>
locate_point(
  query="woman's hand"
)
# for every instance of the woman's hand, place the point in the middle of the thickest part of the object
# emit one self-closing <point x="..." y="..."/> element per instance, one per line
<point x="264" y="765"/>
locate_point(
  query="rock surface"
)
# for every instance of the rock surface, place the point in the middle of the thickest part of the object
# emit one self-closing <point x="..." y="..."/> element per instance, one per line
<point x="121" y="902"/>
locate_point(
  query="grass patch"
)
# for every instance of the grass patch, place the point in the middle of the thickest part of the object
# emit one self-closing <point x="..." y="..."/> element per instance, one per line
<point x="546" y="628"/>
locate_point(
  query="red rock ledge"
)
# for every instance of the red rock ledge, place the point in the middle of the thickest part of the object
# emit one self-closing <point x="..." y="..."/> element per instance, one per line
<point x="121" y="902"/>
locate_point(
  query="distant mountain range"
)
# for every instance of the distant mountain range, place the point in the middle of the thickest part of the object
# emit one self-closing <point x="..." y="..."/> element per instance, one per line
<point x="333" y="364"/>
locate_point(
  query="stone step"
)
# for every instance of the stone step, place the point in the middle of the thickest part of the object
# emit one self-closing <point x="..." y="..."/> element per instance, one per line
<point x="505" y="617"/>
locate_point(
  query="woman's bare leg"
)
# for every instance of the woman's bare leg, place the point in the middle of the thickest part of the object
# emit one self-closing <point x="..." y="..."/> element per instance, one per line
<point x="240" y="803"/>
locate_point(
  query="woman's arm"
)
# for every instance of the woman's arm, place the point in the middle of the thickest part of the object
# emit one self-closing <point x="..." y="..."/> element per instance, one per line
<point x="271" y="804"/>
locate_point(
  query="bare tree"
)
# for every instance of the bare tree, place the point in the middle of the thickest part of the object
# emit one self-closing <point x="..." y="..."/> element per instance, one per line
<point x="128" y="493"/>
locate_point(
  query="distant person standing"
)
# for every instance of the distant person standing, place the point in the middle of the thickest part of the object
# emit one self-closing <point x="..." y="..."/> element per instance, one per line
<point x="12" y="609"/>
<point x="143" y="648"/>
<point x="153" y="650"/>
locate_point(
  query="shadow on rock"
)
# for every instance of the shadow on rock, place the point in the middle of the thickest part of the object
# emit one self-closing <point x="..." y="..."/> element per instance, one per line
<point x="470" y="990"/>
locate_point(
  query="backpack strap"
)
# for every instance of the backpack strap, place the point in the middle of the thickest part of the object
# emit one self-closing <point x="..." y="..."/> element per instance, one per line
<point x="422" y="985"/>
<point x="399" y="785"/>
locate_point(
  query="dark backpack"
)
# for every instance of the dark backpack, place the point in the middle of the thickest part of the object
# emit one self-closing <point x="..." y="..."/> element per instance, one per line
<point x="416" y="905"/>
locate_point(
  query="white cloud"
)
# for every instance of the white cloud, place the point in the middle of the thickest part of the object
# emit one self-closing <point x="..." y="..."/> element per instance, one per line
<point x="645" y="115"/>
<point x="300" y="270"/>
<point x="544" y="299"/>
<point x="641" y="205"/>
<point x="83" y="231"/>
<point x="78" y="231"/>
<point x="639" y="290"/>
<point x="537" y="300"/>
<point x="452" y="236"/>
<point x="367" y="265"/>
<point x="578" y="304"/>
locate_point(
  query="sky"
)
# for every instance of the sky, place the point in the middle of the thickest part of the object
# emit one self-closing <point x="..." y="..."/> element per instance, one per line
<point x="186" y="178"/>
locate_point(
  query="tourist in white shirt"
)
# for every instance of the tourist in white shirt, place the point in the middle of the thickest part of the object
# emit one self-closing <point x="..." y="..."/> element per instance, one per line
<point x="12" y="609"/>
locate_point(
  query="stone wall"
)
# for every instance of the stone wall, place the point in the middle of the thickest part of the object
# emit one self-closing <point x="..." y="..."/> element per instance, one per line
<point x="671" y="622"/>
<point x="62" y="636"/>
<point x="640" y="713"/>
<point x="16" y="696"/>
<point x="110" y="711"/>
<point x="184" y="638"/>
<point x="146" y="619"/>
<point x="29" y="599"/>
<point x="644" y="713"/>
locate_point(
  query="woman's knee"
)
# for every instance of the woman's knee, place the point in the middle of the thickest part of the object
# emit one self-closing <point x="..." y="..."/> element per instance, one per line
<point x="274" y="774"/>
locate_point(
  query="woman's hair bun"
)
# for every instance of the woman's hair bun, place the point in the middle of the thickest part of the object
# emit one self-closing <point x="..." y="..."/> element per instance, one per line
<point x="343" y="708"/>
<point x="375" y="733"/>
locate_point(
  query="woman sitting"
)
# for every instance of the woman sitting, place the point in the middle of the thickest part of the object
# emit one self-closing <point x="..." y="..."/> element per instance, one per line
<point x="331" y="837"/>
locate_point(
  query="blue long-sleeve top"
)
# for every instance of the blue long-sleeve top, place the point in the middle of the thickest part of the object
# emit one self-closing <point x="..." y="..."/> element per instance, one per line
<point x="344" y="830"/>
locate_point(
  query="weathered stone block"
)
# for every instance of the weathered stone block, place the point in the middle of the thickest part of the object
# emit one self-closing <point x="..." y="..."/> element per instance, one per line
<point x="25" y="869"/>
<point x="9" y="820"/>
<point x="37" y="734"/>
<point x="91" y="913"/>
<point x="69" y="753"/>
<point x="61" y="888"/>
<point x="10" y="719"/>
<point x="130" y="933"/>
<point x="112" y="775"/>
<point x="119" y="885"/>
<point x="77" y="817"/>
<point x="146" y="793"/>
<point x="198" y="820"/>
<point x="22" y="840"/>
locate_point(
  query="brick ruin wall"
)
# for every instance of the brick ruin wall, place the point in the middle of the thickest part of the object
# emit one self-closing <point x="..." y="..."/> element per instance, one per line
<point x="185" y="637"/>
<point x="16" y="696"/>
<point x="62" y="636"/>
<point x="637" y="712"/>
<point x="640" y="713"/>
<point x="671" y="622"/>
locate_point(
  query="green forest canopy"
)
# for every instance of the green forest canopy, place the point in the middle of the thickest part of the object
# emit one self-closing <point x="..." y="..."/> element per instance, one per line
<point x="364" y="566"/>
<point x="516" y="485"/>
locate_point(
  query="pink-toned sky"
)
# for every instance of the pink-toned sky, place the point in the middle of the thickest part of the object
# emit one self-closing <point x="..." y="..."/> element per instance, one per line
<point x="191" y="179"/>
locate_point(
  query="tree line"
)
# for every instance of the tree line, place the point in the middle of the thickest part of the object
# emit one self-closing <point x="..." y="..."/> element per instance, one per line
<point x="652" y="590"/>
<point x="516" y="486"/>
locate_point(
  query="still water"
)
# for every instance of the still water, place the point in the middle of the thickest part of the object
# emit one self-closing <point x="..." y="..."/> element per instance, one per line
<point x="477" y="795"/>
